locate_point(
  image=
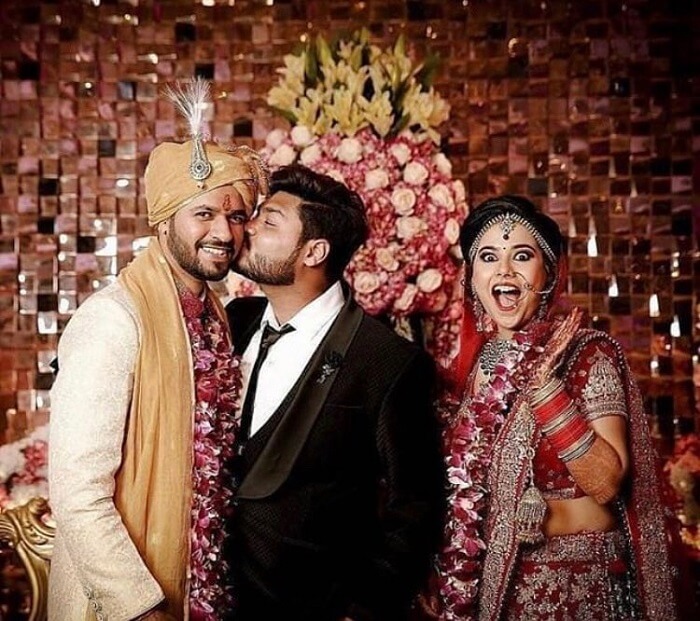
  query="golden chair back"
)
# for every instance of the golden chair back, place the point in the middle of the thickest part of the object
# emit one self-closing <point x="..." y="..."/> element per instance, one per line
<point x="24" y="529"/>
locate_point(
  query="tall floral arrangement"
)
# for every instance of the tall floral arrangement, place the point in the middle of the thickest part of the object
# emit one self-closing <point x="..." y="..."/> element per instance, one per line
<point x="368" y="117"/>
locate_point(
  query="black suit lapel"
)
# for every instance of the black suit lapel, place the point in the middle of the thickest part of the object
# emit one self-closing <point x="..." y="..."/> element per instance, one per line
<point x="273" y="465"/>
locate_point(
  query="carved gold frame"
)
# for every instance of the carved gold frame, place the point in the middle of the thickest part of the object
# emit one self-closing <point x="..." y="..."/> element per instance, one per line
<point x="32" y="538"/>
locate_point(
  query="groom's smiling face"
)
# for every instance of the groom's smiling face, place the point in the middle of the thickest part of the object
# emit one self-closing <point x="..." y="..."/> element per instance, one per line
<point x="203" y="238"/>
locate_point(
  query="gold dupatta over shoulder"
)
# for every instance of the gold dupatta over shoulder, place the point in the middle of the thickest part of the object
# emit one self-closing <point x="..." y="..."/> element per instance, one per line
<point x="154" y="483"/>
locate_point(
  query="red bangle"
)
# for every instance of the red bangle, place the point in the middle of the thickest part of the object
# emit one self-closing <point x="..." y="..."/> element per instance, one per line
<point x="543" y="393"/>
<point x="550" y="409"/>
<point x="567" y="431"/>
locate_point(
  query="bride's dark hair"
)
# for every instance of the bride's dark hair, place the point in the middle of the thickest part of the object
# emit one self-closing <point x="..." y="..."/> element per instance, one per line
<point x="492" y="210"/>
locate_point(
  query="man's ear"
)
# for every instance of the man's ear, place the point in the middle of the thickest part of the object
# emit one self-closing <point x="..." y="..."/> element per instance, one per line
<point x="317" y="251"/>
<point x="162" y="227"/>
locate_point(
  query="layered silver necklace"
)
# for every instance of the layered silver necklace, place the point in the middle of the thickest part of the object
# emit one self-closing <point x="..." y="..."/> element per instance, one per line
<point x="492" y="353"/>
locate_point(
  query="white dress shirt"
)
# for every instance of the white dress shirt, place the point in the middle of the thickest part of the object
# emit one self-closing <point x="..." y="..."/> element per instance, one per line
<point x="288" y="357"/>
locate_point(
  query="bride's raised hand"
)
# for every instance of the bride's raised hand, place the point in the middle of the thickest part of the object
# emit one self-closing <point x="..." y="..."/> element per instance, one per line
<point x="558" y="342"/>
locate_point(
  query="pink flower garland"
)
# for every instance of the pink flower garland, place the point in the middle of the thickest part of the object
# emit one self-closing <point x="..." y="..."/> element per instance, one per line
<point x="470" y="430"/>
<point x="217" y="380"/>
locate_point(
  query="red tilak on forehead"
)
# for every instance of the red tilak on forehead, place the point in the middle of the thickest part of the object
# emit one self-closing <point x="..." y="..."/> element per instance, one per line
<point x="227" y="202"/>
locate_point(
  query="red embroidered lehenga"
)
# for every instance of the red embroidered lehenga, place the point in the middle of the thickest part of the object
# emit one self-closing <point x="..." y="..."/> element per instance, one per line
<point x="484" y="572"/>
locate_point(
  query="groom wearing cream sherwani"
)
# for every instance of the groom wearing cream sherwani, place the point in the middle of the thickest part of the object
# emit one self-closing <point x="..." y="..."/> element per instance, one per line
<point x="143" y="401"/>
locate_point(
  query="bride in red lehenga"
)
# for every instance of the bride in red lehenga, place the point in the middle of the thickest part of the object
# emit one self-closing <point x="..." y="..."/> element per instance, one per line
<point x="554" y="509"/>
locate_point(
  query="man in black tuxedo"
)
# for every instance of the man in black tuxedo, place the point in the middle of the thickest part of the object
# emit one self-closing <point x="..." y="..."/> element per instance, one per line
<point x="339" y="477"/>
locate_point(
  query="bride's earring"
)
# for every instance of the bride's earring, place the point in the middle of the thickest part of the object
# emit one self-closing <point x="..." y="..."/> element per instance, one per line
<point x="479" y="312"/>
<point x="543" y="307"/>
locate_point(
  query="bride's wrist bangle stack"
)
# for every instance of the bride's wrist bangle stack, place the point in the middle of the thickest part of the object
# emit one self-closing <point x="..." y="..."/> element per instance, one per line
<point x="555" y="412"/>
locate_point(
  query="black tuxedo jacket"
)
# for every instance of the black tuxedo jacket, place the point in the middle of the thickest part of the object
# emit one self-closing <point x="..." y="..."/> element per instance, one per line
<point x="340" y="494"/>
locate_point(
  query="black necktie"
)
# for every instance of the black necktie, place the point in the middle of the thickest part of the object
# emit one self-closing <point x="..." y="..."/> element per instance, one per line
<point x="269" y="337"/>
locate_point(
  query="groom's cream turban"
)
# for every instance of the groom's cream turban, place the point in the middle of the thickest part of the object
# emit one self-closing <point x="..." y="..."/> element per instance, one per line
<point x="170" y="185"/>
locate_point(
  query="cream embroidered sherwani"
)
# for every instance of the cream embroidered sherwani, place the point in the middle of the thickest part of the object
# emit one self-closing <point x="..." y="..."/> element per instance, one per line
<point x="95" y="563"/>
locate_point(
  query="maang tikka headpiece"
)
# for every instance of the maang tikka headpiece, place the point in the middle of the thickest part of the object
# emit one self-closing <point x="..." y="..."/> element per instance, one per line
<point x="507" y="225"/>
<point x="191" y="101"/>
<point x="508" y="221"/>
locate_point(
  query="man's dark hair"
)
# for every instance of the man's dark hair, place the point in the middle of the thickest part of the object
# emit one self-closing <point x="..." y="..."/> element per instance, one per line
<point x="329" y="210"/>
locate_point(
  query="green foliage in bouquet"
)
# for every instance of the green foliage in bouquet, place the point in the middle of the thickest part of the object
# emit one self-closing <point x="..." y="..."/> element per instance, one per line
<point x="351" y="84"/>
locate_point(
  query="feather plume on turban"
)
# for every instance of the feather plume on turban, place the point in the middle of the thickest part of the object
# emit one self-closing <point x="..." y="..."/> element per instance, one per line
<point x="177" y="173"/>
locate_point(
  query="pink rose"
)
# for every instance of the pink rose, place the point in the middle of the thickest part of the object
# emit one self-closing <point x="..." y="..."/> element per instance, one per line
<point x="386" y="260"/>
<point x="275" y="138"/>
<point x="310" y="155"/>
<point x="376" y="179"/>
<point x="403" y="200"/>
<point x="460" y="192"/>
<point x="441" y="195"/>
<point x="443" y="165"/>
<point x="405" y="301"/>
<point x="349" y="151"/>
<point x="408" y="227"/>
<point x="415" y="173"/>
<point x="429" y="280"/>
<point x="401" y="153"/>
<point x="452" y="231"/>
<point x="283" y="155"/>
<point x="366" y="282"/>
<point x="301" y="136"/>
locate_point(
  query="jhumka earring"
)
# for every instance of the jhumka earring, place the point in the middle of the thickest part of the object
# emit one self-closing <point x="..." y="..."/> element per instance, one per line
<point x="480" y="315"/>
<point x="543" y="307"/>
<point x="479" y="312"/>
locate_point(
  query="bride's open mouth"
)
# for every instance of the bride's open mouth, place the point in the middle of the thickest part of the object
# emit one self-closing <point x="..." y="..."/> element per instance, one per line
<point x="507" y="297"/>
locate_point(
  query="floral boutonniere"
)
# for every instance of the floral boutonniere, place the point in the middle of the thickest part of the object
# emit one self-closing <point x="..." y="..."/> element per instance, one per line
<point x="331" y="363"/>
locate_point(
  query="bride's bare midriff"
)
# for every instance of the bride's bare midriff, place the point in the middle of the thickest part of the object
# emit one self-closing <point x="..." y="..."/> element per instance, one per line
<point x="576" y="515"/>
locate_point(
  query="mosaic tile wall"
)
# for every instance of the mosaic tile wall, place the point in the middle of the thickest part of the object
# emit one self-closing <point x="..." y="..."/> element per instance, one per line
<point x="591" y="108"/>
